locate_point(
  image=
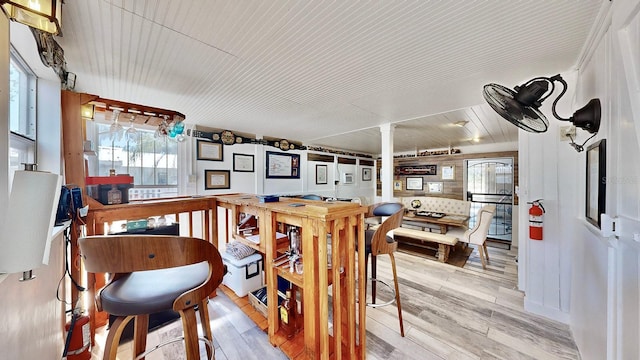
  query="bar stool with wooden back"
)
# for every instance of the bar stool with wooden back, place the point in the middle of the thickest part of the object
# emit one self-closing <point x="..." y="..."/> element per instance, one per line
<point x="153" y="273"/>
<point x="377" y="242"/>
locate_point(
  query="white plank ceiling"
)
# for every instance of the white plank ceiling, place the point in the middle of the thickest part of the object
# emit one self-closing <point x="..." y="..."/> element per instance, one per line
<point x="326" y="73"/>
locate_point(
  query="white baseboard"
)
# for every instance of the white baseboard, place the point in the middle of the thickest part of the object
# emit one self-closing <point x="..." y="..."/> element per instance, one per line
<point x="3" y="276"/>
<point x="553" y="314"/>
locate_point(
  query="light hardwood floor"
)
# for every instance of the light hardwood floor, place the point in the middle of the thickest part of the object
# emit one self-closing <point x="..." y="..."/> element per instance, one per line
<point x="449" y="313"/>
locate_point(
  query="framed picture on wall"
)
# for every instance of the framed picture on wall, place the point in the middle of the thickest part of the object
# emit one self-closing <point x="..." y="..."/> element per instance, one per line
<point x="243" y="162"/>
<point x="207" y="150"/>
<point x="321" y="174"/>
<point x="435" y="187"/>
<point x="448" y="172"/>
<point x="414" y="183"/>
<point x="596" y="182"/>
<point x="217" y="179"/>
<point x="397" y="185"/>
<point x="366" y="174"/>
<point x="282" y="165"/>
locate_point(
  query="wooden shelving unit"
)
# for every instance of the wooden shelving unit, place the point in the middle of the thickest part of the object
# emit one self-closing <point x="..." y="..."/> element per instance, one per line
<point x="344" y="222"/>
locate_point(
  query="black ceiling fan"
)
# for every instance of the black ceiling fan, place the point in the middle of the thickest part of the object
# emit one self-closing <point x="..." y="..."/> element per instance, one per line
<point x="521" y="106"/>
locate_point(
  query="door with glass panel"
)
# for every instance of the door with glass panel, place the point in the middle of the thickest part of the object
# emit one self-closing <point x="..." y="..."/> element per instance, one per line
<point x="490" y="181"/>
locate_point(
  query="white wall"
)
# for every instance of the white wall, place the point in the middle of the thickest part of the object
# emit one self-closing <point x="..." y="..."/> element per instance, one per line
<point x="257" y="183"/>
<point x="577" y="274"/>
<point x="32" y="317"/>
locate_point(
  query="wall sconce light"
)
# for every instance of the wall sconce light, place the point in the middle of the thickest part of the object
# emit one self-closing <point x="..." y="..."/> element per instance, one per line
<point x="521" y="107"/>
<point x="38" y="14"/>
<point x="87" y="111"/>
<point x="27" y="227"/>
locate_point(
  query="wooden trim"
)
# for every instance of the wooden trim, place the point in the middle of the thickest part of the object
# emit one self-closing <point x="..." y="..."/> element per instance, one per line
<point x="320" y="157"/>
<point x="349" y="161"/>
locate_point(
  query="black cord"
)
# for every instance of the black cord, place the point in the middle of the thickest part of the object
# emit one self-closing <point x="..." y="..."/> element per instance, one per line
<point x="69" y="334"/>
<point x="579" y="148"/>
<point x="66" y="268"/>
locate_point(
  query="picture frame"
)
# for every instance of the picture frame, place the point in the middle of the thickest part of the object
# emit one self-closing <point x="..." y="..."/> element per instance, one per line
<point x="435" y="187"/>
<point x="207" y="150"/>
<point x="243" y="163"/>
<point x="321" y="174"/>
<point x="366" y="174"/>
<point x="217" y="179"/>
<point x="596" y="172"/>
<point x="397" y="185"/>
<point x="448" y="172"/>
<point x="413" y="170"/>
<point x="282" y="165"/>
<point x="415" y="183"/>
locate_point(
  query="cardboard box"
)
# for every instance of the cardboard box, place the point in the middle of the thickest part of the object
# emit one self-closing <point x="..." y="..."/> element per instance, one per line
<point x="243" y="275"/>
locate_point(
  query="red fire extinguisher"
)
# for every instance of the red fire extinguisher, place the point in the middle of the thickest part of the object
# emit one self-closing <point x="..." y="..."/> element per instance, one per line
<point x="77" y="345"/>
<point x="536" y="212"/>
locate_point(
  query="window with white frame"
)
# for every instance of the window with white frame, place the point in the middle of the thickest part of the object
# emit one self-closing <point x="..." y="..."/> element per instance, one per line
<point x="22" y="114"/>
<point x="151" y="160"/>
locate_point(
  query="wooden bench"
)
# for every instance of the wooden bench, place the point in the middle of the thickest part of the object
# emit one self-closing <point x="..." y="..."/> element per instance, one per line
<point x="445" y="242"/>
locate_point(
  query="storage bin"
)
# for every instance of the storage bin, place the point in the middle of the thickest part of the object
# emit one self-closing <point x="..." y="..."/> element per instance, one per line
<point x="243" y="275"/>
<point x="258" y="298"/>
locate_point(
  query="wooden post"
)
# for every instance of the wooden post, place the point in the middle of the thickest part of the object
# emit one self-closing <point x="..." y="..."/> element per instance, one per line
<point x="73" y="137"/>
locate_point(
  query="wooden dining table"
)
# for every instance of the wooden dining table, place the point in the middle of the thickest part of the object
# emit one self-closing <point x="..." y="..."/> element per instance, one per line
<point x="443" y="222"/>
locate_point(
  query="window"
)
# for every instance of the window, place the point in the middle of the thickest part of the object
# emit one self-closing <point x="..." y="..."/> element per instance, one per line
<point x="22" y="114"/>
<point x="151" y="160"/>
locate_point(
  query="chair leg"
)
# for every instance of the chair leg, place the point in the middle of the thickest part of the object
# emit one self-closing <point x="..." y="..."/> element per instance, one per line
<point x="486" y="253"/>
<point x="190" y="329"/>
<point x="395" y="281"/>
<point x="141" y="328"/>
<point x="205" y="321"/>
<point x="366" y="271"/>
<point x="374" y="272"/>
<point x="480" y="252"/>
<point x="113" y="338"/>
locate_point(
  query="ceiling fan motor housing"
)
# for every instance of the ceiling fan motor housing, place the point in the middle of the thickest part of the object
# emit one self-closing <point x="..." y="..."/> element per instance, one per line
<point x="529" y="95"/>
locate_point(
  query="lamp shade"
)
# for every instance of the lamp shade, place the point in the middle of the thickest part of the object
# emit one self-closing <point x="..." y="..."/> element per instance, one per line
<point x="39" y="14"/>
<point x="25" y="239"/>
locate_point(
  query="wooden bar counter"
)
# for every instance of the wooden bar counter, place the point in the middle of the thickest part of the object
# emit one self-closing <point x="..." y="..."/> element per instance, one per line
<point x="344" y="223"/>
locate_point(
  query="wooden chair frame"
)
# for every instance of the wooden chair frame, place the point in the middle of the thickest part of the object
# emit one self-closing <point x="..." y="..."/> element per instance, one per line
<point x="120" y="255"/>
<point x="379" y="246"/>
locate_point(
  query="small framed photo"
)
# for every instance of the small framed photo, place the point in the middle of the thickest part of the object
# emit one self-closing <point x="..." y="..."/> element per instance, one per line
<point x="321" y="174"/>
<point x="366" y="174"/>
<point x="207" y="150"/>
<point x="435" y="187"/>
<point x="217" y="179"/>
<point x="414" y="183"/>
<point x="397" y="185"/>
<point x="242" y="162"/>
<point x="448" y="172"/>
